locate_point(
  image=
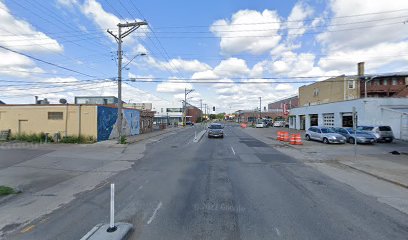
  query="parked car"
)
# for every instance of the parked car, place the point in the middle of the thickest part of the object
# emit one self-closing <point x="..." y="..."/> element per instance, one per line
<point x="260" y="123"/>
<point x="324" y="134"/>
<point x="190" y="123"/>
<point x="381" y="133"/>
<point x="351" y="135"/>
<point x="279" y="124"/>
<point x="215" y="130"/>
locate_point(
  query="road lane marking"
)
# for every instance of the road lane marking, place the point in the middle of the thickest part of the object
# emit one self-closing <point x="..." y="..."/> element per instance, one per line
<point x="28" y="229"/>
<point x="141" y="186"/>
<point x="277" y="232"/>
<point x="154" y="213"/>
<point x="232" y="150"/>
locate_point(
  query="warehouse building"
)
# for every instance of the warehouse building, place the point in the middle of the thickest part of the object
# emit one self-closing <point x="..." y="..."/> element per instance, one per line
<point x="370" y="111"/>
<point x="95" y="121"/>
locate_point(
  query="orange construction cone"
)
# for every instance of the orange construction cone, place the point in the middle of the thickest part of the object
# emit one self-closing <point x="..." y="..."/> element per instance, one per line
<point x="298" y="139"/>
<point x="292" y="140"/>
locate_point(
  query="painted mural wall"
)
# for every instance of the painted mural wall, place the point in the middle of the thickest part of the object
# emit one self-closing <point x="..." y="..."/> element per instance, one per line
<point x="107" y="122"/>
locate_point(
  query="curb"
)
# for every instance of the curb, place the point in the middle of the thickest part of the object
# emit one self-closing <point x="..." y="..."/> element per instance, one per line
<point x="374" y="175"/>
<point x="200" y="136"/>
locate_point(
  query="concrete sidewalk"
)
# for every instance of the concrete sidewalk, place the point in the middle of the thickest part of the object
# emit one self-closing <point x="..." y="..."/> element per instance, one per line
<point x="390" y="168"/>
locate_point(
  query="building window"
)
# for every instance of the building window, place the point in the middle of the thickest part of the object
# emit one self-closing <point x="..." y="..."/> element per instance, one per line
<point x="55" y="115"/>
<point x="328" y="119"/>
<point x="385" y="82"/>
<point x="351" y="84"/>
<point x="394" y="81"/>
<point x="316" y="92"/>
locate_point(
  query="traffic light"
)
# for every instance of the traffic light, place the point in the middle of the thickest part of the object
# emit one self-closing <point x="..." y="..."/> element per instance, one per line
<point x="213" y="109"/>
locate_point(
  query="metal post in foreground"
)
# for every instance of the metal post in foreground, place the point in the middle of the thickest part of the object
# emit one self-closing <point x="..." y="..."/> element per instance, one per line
<point x="355" y="132"/>
<point x="112" y="226"/>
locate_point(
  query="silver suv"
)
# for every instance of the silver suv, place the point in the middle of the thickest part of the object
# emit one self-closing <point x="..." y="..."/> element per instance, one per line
<point x="324" y="134"/>
<point x="381" y="133"/>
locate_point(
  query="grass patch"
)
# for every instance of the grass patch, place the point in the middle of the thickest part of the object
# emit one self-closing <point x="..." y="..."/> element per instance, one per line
<point x="34" y="137"/>
<point x="4" y="190"/>
<point x="123" y="140"/>
<point x="78" y="139"/>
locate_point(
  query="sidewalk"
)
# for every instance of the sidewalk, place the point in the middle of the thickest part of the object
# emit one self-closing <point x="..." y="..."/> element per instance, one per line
<point x="390" y="168"/>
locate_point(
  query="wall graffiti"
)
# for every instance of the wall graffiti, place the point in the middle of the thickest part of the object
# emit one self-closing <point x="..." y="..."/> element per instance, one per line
<point x="107" y="122"/>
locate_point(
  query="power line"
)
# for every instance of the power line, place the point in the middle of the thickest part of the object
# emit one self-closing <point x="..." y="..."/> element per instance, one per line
<point x="46" y="62"/>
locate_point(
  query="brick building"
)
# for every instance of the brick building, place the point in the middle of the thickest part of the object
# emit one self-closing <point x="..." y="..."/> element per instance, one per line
<point x="193" y="113"/>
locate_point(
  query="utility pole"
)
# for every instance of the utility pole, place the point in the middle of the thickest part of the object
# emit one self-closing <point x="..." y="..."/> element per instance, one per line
<point x="205" y="110"/>
<point x="201" y="108"/>
<point x="131" y="27"/>
<point x="260" y="108"/>
<point x="186" y="92"/>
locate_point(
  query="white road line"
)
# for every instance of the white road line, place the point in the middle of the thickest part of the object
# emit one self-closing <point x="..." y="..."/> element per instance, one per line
<point x="141" y="186"/>
<point x="277" y="232"/>
<point x="232" y="150"/>
<point x="154" y="213"/>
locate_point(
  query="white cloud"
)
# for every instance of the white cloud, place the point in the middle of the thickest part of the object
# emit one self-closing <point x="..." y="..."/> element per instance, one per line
<point x="295" y="22"/>
<point x="67" y="3"/>
<point x="174" y="86"/>
<point x="104" y="20"/>
<point x="369" y="41"/>
<point x="232" y="67"/>
<point x="20" y="35"/>
<point x="178" y="65"/>
<point x="248" y="31"/>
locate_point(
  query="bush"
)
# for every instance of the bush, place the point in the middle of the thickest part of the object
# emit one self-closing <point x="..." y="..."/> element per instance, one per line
<point x="6" y="191"/>
<point x="34" y="137"/>
<point x="123" y="140"/>
<point x="78" y="139"/>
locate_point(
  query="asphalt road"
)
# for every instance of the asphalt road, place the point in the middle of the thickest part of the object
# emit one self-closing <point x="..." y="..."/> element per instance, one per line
<point x="231" y="188"/>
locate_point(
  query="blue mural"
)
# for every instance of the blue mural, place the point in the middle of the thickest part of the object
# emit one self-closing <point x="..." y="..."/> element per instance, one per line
<point x="107" y="121"/>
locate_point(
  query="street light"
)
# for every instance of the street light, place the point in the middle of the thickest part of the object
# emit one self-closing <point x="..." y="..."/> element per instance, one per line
<point x="137" y="55"/>
<point x="365" y="85"/>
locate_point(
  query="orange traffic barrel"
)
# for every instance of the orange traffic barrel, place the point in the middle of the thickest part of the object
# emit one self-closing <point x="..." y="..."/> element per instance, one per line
<point x="279" y="138"/>
<point x="285" y="136"/>
<point x="292" y="140"/>
<point x="298" y="139"/>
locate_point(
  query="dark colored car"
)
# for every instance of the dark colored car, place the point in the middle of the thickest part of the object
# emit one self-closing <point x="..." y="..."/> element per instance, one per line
<point x="215" y="130"/>
<point x="361" y="136"/>
<point x="189" y="123"/>
<point x="381" y="133"/>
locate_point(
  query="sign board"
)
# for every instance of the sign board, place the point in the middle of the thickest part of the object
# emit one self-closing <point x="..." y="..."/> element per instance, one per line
<point x="174" y="110"/>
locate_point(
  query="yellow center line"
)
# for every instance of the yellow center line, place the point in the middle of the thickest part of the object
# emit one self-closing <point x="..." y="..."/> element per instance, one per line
<point x="27" y="229"/>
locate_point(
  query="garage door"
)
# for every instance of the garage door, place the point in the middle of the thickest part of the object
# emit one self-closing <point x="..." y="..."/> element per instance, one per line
<point x="404" y="127"/>
<point x="328" y="119"/>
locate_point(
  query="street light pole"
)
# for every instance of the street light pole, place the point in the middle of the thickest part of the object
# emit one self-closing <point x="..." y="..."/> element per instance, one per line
<point x="365" y="85"/>
<point x="260" y="107"/>
<point x="132" y="27"/>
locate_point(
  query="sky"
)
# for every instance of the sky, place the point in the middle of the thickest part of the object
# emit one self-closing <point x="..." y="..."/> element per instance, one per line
<point x="230" y="52"/>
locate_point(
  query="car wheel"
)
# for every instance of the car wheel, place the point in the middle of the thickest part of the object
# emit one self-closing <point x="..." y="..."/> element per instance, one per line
<point x="325" y="141"/>
<point x="351" y="140"/>
<point x="307" y="137"/>
<point x="389" y="141"/>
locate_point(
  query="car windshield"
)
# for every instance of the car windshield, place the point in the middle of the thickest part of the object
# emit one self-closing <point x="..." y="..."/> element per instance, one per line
<point x="384" y="128"/>
<point x="327" y="130"/>
<point x="365" y="128"/>
<point x="215" y="126"/>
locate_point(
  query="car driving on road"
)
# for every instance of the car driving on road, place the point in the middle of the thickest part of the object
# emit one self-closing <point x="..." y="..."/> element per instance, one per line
<point x="215" y="130"/>
<point x="324" y="134"/>
<point x="361" y="136"/>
